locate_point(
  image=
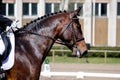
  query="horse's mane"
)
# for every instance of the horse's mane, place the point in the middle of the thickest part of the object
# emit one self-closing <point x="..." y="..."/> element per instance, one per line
<point x="32" y="26"/>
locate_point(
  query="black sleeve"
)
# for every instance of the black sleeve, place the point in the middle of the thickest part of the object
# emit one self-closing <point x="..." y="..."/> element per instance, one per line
<point x="4" y="22"/>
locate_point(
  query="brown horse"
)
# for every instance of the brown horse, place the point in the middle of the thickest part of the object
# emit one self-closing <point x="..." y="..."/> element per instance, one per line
<point x="34" y="41"/>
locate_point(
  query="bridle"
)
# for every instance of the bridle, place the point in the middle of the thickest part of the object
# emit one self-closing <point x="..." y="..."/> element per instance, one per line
<point x="75" y="40"/>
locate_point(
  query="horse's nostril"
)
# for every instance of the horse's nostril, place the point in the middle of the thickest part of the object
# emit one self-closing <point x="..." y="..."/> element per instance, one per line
<point x="84" y="53"/>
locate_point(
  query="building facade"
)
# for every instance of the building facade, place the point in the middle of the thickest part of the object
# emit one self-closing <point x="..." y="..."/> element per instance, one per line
<point x="100" y="19"/>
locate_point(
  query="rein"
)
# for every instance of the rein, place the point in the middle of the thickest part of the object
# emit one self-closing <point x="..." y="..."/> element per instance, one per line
<point x="58" y="41"/>
<point x="30" y="32"/>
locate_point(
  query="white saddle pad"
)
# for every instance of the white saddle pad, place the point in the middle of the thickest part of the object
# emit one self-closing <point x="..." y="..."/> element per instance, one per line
<point x="9" y="62"/>
<point x="2" y="46"/>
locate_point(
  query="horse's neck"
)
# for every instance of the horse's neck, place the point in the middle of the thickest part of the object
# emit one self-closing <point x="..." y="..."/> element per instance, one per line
<point x="47" y="48"/>
<point x="41" y="42"/>
<point x="37" y="46"/>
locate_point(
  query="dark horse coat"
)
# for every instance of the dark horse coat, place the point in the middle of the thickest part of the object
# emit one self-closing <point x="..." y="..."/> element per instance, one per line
<point x="34" y="41"/>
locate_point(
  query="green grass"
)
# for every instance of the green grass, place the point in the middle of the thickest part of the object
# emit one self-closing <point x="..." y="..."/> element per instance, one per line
<point x="95" y="60"/>
<point x="94" y="57"/>
<point x="91" y="48"/>
<point x="91" y="54"/>
<point x="105" y="48"/>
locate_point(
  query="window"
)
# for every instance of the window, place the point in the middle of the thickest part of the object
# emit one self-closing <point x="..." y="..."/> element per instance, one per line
<point x="3" y="9"/>
<point x="104" y="9"/>
<point x="71" y="6"/>
<point x="96" y="9"/>
<point x="118" y="8"/>
<point x="25" y="9"/>
<point x="11" y="9"/>
<point x="52" y="7"/>
<point x="74" y="6"/>
<point x="100" y="9"/>
<point x="8" y="9"/>
<point x="80" y="5"/>
<point x="56" y="7"/>
<point x="48" y="8"/>
<point x="34" y="8"/>
<point x="29" y="9"/>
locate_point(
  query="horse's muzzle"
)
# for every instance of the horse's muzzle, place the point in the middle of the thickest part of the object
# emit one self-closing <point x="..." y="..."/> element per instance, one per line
<point x="83" y="54"/>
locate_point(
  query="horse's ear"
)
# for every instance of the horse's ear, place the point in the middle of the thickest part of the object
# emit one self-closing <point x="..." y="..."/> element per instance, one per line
<point x="76" y="12"/>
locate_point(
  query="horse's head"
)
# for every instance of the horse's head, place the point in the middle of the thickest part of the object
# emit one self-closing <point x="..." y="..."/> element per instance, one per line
<point x="71" y="33"/>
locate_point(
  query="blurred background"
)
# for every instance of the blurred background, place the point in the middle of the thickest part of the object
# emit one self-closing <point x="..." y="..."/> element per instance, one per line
<point x="100" y="21"/>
